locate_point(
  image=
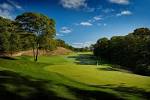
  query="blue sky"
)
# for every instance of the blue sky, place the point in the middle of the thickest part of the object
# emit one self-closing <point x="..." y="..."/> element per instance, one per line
<point x="81" y="22"/>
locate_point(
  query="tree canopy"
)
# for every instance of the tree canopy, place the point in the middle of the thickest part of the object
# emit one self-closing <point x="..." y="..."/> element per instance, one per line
<point x="28" y="30"/>
<point x="132" y="50"/>
<point x="40" y="25"/>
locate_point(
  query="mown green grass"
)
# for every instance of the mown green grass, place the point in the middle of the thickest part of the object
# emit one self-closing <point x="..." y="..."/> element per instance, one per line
<point x="73" y="77"/>
<point x="94" y="76"/>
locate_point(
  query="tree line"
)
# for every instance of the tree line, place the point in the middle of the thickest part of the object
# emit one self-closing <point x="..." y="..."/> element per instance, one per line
<point x="131" y="51"/>
<point x="62" y="43"/>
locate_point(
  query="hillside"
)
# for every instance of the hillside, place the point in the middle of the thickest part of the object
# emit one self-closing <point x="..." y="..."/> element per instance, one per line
<point x="57" y="51"/>
<point x="68" y="77"/>
<point x="60" y="51"/>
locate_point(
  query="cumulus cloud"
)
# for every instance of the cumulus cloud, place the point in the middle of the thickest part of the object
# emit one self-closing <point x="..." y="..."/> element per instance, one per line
<point x="15" y="4"/>
<point x="6" y="6"/>
<point x="74" y="4"/>
<point x="65" y="30"/>
<point x="90" y="22"/>
<point x="97" y="18"/>
<point x="6" y="9"/>
<point x="123" y="2"/>
<point x="124" y="13"/>
<point x="86" y="24"/>
<point x="5" y="14"/>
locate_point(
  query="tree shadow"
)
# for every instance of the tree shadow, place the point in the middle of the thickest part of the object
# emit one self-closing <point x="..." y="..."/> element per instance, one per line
<point x="114" y="68"/>
<point x="86" y="59"/>
<point x="133" y="91"/>
<point x="124" y="91"/>
<point x="14" y="86"/>
<point x="89" y="59"/>
<point x="93" y="94"/>
<point x="108" y="69"/>
<point x="7" y="58"/>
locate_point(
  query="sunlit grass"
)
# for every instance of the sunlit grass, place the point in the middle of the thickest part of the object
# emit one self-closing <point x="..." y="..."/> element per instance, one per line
<point x="68" y="72"/>
<point x="93" y="75"/>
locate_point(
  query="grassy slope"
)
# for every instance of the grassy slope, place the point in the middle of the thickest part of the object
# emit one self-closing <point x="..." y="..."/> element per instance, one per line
<point x="68" y="77"/>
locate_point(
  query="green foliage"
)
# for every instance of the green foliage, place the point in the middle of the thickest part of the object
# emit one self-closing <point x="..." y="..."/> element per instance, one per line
<point x="4" y="24"/>
<point x="28" y="31"/>
<point x="131" y="50"/>
<point x="15" y="40"/>
<point x="36" y="23"/>
<point x="62" y="43"/>
<point x="41" y="26"/>
<point x="8" y="35"/>
<point x="4" y="42"/>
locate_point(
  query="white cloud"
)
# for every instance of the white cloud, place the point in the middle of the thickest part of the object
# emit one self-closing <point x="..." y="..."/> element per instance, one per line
<point x="5" y="14"/>
<point x="15" y="4"/>
<point x="77" y="43"/>
<point x="7" y="9"/>
<point x="90" y="22"/>
<point x="97" y="18"/>
<point x="60" y="35"/>
<point x="102" y="24"/>
<point x="82" y="44"/>
<point x="124" y="13"/>
<point x="123" y="2"/>
<point x="65" y="30"/>
<point x="5" y="6"/>
<point x="74" y="4"/>
<point x="86" y="24"/>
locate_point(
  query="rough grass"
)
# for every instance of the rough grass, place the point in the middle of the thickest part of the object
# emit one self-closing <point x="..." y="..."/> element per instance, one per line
<point x="72" y="77"/>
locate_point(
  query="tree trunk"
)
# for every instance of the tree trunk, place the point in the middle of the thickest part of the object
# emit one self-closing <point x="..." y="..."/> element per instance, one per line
<point x="33" y="51"/>
<point x="11" y="51"/>
<point x="37" y="52"/>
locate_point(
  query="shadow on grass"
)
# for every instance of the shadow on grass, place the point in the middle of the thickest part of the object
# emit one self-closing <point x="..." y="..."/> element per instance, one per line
<point x="86" y="59"/>
<point x="89" y="59"/>
<point x="7" y="57"/>
<point x="14" y="86"/>
<point x="133" y="91"/>
<point x="108" y="69"/>
<point x="93" y="95"/>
